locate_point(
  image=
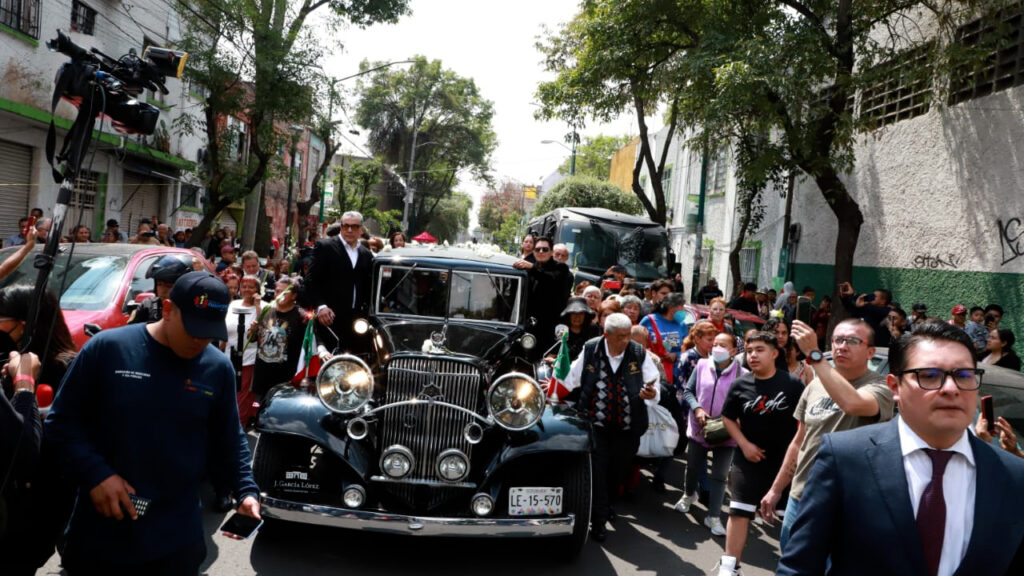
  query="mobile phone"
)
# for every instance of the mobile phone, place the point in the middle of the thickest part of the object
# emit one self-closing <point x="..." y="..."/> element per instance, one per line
<point x="869" y="297"/>
<point x="241" y="526"/>
<point x="31" y="221"/>
<point x="141" y="504"/>
<point x="989" y="413"/>
<point x="803" y="309"/>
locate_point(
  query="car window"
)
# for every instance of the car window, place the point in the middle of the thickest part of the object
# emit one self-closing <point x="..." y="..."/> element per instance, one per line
<point x="139" y="282"/>
<point x="415" y="291"/>
<point x="91" y="283"/>
<point x="489" y="297"/>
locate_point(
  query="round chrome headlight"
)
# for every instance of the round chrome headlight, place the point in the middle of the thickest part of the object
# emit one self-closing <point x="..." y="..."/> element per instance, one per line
<point x="344" y="384"/>
<point x="452" y="465"/>
<point x="528" y="341"/>
<point x="397" y="461"/>
<point x="360" y="326"/>
<point x="515" y="401"/>
<point x="354" y="496"/>
<point x="482" y="504"/>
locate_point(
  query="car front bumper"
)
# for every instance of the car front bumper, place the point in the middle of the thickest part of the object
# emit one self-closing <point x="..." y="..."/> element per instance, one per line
<point x="416" y="525"/>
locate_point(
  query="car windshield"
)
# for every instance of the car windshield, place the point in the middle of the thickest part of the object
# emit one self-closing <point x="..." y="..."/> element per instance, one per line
<point x="595" y="246"/>
<point x="442" y="293"/>
<point x="91" y="280"/>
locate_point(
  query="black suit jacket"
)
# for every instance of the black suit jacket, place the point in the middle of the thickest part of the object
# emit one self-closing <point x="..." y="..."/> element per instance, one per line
<point x="331" y="281"/>
<point x="856" y="508"/>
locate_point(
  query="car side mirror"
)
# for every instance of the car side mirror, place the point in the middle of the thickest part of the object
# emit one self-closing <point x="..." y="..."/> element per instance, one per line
<point x="142" y="296"/>
<point x="91" y="329"/>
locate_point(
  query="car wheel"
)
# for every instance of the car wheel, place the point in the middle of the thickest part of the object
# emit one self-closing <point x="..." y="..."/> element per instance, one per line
<point x="577" y="500"/>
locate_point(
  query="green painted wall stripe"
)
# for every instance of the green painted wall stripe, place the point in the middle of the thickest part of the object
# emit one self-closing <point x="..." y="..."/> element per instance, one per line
<point x="940" y="290"/>
<point x="43" y="117"/>
<point x="19" y="35"/>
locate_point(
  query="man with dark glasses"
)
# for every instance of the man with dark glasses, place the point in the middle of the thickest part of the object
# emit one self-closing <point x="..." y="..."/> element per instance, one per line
<point x="918" y="495"/>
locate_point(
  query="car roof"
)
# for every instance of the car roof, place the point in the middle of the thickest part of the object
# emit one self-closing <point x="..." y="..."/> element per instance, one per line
<point x="994" y="375"/>
<point x="109" y="248"/>
<point x="610" y="216"/>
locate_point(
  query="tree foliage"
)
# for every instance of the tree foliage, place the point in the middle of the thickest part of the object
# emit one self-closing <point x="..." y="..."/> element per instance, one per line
<point x="253" y="61"/>
<point x="357" y="185"/>
<point x="593" y="156"/>
<point x="451" y="217"/>
<point x="615" y="57"/>
<point x="497" y="205"/>
<point x="430" y="124"/>
<point x="586" y="192"/>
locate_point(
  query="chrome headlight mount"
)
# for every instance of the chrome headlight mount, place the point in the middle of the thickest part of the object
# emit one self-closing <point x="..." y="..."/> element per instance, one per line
<point x="344" y="384"/>
<point x="515" y="401"/>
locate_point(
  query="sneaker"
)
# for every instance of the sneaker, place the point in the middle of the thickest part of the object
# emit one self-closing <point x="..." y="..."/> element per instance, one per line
<point x="758" y="521"/>
<point x="684" y="503"/>
<point x="715" y="525"/>
<point x="719" y="571"/>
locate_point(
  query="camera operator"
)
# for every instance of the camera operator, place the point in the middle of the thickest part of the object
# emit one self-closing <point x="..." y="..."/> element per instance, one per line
<point x="164" y="272"/>
<point x="142" y="412"/>
<point x="873" y="308"/>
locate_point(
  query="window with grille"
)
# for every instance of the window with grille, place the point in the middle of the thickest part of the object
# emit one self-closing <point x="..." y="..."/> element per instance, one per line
<point x="718" y="171"/>
<point x="901" y="88"/>
<point x="83" y="18"/>
<point x="21" y="15"/>
<point x="86" y="185"/>
<point x="666" y="184"/>
<point x="1001" y="38"/>
<point x="190" y="195"/>
<point x="750" y="258"/>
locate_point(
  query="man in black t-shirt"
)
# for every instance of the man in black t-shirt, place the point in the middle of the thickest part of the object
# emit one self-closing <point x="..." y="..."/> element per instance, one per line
<point x="758" y="413"/>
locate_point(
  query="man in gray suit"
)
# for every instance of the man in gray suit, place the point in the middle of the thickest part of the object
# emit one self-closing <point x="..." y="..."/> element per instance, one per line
<point x="918" y="495"/>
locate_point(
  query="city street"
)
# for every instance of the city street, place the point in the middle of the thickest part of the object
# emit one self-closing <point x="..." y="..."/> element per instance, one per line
<point x="648" y="538"/>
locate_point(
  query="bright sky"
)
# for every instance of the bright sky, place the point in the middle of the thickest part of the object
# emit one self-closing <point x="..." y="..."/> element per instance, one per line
<point x="492" y="43"/>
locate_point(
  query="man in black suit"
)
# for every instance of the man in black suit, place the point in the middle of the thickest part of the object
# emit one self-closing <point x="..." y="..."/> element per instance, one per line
<point x="918" y="495"/>
<point x="338" y="283"/>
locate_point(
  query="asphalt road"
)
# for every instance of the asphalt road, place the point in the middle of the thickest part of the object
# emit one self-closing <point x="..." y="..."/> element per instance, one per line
<point x="649" y="537"/>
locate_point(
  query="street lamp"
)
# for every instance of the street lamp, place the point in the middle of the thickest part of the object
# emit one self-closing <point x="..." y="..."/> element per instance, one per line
<point x="296" y="132"/>
<point x="572" y="158"/>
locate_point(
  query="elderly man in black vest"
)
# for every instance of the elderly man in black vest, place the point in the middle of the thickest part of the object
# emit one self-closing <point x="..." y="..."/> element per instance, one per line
<point x="616" y="377"/>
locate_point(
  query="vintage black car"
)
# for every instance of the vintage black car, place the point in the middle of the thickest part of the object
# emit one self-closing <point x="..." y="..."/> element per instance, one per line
<point x="443" y="430"/>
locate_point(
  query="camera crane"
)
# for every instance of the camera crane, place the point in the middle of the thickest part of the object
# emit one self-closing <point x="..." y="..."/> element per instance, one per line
<point x="98" y="86"/>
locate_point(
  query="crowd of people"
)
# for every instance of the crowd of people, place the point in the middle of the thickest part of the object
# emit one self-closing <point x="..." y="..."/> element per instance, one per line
<point x="766" y="419"/>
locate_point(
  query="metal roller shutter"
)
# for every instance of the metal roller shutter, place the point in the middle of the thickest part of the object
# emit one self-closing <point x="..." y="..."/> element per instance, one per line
<point x="141" y="200"/>
<point x="15" y="178"/>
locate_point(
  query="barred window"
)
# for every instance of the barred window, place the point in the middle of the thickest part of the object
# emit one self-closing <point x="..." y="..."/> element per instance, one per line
<point x="1000" y="35"/>
<point x="666" y="184"/>
<point x="902" y="88"/>
<point x="83" y="18"/>
<point x="189" y="195"/>
<point x="718" y="171"/>
<point x="750" y="257"/>
<point x="21" y="15"/>
<point x="86" y="185"/>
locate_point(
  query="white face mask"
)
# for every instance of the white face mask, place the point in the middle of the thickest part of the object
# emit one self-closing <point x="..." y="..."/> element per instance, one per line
<point x="720" y="354"/>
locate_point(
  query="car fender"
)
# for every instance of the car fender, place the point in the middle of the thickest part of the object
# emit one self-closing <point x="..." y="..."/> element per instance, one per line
<point x="561" y="429"/>
<point x="294" y="412"/>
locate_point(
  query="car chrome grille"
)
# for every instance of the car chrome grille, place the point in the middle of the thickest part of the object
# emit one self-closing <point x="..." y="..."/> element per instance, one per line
<point x="427" y="429"/>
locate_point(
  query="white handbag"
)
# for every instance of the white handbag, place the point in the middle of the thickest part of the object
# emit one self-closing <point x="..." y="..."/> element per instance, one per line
<point x="662" y="434"/>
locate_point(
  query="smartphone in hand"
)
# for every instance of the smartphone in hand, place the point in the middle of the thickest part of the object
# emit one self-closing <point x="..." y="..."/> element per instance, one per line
<point x="988" y="411"/>
<point x="803" y="309"/>
<point x="240" y="526"/>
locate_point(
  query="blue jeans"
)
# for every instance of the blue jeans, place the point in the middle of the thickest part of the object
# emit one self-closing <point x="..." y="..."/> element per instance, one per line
<point x="787" y="523"/>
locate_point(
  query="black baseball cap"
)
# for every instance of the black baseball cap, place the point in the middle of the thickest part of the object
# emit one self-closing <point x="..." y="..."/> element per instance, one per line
<point x="111" y="223"/>
<point x="203" y="300"/>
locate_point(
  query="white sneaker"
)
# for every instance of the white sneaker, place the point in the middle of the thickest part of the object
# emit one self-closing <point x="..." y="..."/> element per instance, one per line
<point x="715" y="525"/>
<point x="720" y="570"/>
<point x="683" y="505"/>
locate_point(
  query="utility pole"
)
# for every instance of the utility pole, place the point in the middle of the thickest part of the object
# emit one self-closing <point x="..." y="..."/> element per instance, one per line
<point x="697" y="258"/>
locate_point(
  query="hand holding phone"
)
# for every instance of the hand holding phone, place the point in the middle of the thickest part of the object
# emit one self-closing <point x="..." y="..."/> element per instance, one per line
<point x="988" y="412"/>
<point x="240" y="526"/>
<point x="803" y="309"/>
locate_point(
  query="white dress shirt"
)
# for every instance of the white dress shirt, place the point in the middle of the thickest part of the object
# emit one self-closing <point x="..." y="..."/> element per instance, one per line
<point x="959" y="484"/>
<point x="353" y="255"/>
<point x="649" y="370"/>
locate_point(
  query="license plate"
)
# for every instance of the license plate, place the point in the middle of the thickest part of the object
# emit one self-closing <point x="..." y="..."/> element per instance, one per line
<point x="534" y="501"/>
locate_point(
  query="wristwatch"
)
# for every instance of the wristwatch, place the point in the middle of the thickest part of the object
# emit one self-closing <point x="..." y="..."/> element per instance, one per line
<point x="815" y="356"/>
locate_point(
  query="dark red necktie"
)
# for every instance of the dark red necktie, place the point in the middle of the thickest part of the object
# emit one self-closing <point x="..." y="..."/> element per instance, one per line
<point x="931" y="512"/>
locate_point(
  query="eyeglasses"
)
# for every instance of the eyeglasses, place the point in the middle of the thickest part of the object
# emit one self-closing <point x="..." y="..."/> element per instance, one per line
<point x="934" y="378"/>
<point x="351" y="226"/>
<point x="848" y="340"/>
<point x="542" y="249"/>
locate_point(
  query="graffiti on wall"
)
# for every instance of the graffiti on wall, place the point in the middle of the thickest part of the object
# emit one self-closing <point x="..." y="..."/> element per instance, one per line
<point x="1011" y="239"/>
<point x="934" y="261"/>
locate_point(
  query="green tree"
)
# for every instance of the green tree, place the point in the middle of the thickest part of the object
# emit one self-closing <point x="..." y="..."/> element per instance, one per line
<point x="593" y="156"/>
<point x="616" y="57"/>
<point x="430" y="124"/>
<point x="498" y="205"/>
<point x="253" y="60"/>
<point x="451" y="217"/>
<point x="586" y="192"/>
<point x="357" y="185"/>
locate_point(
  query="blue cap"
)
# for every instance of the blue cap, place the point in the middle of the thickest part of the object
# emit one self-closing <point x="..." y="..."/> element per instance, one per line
<point x="203" y="300"/>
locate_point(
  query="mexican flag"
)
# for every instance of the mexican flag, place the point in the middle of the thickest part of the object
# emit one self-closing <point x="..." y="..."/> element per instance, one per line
<point x="309" y="360"/>
<point x="556" y="389"/>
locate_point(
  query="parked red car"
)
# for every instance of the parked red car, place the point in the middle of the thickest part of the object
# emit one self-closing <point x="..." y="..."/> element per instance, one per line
<point x="100" y="286"/>
<point x="742" y="321"/>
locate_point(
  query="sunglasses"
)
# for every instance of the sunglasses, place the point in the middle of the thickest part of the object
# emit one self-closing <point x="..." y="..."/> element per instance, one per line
<point x="542" y="249"/>
<point x="351" y="226"/>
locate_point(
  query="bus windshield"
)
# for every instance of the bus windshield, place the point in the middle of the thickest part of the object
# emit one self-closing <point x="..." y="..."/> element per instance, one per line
<point x="596" y="246"/>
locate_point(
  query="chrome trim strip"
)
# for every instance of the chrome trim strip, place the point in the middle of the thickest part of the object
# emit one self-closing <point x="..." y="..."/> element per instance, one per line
<point x="422" y="482"/>
<point x="416" y="525"/>
<point x="417" y="402"/>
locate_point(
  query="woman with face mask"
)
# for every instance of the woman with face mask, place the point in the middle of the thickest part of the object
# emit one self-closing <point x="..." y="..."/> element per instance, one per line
<point x="705" y="393"/>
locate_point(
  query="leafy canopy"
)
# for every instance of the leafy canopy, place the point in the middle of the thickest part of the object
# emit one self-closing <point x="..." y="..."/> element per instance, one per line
<point x="587" y="192"/>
